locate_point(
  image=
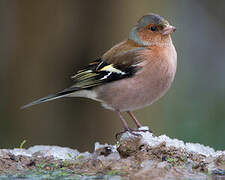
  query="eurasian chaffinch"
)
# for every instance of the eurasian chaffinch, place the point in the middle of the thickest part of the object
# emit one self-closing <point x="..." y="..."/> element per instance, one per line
<point x="132" y="74"/>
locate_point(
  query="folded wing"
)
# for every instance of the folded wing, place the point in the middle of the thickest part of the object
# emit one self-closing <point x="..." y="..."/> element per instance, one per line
<point x="99" y="72"/>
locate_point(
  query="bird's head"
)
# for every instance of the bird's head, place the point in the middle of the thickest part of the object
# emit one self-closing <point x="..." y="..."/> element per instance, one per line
<point x="151" y="29"/>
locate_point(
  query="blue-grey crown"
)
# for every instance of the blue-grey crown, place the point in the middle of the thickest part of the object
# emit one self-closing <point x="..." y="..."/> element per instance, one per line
<point x="151" y="19"/>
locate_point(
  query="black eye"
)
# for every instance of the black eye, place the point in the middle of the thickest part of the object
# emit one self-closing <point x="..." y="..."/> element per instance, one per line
<point x="153" y="28"/>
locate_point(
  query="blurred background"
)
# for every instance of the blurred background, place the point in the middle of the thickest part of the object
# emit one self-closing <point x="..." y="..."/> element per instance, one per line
<point x="42" y="43"/>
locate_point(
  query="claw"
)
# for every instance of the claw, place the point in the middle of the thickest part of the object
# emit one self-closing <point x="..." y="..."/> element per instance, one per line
<point x="131" y="131"/>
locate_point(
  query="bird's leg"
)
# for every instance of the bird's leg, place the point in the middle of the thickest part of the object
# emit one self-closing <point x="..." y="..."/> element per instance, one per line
<point x="125" y="126"/>
<point x="138" y="124"/>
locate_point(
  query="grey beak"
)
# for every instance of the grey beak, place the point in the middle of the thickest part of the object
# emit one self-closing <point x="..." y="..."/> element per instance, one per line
<point x="168" y="30"/>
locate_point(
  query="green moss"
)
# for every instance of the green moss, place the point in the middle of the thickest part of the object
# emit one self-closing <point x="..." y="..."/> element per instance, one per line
<point x="70" y="156"/>
<point x="66" y="163"/>
<point x="117" y="143"/>
<point x="209" y="173"/>
<point x="80" y="157"/>
<point x="184" y="159"/>
<point x="64" y="174"/>
<point x="171" y="160"/>
<point x="112" y="173"/>
<point x="40" y="166"/>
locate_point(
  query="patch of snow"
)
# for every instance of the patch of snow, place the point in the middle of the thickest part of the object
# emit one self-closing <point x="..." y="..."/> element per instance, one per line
<point x="114" y="155"/>
<point x="199" y="148"/>
<point x="153" y="141"/>
<point x="98" y="146"/>
<point x="144" y="128"/>
<point x="56" y="152"/>
<point x="22" y="152"/>
<point x="219" y="153"/>
<point x="85" y="155"/>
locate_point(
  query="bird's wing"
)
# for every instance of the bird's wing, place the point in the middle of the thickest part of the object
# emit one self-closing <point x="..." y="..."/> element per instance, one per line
<point x="124" y="65"/>
<point x="101" y="71"/>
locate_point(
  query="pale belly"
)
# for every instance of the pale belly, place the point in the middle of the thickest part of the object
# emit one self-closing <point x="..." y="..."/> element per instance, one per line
<point x="139" y="91"/>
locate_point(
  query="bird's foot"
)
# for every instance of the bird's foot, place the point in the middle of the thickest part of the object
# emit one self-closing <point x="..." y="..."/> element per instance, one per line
<point x="134" y="132"/>
<point x="143" y="129"/>
<point x="131" y="131"/>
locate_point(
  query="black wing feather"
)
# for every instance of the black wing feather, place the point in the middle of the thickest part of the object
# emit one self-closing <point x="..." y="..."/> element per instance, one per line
<point x="100" y="72"/>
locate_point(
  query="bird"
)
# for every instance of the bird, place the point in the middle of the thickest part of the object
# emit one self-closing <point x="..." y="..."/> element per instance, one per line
<point x="132" y="74"/>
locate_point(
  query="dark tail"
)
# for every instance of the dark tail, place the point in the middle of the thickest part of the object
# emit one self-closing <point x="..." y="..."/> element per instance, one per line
<point x="51" y="97"/>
